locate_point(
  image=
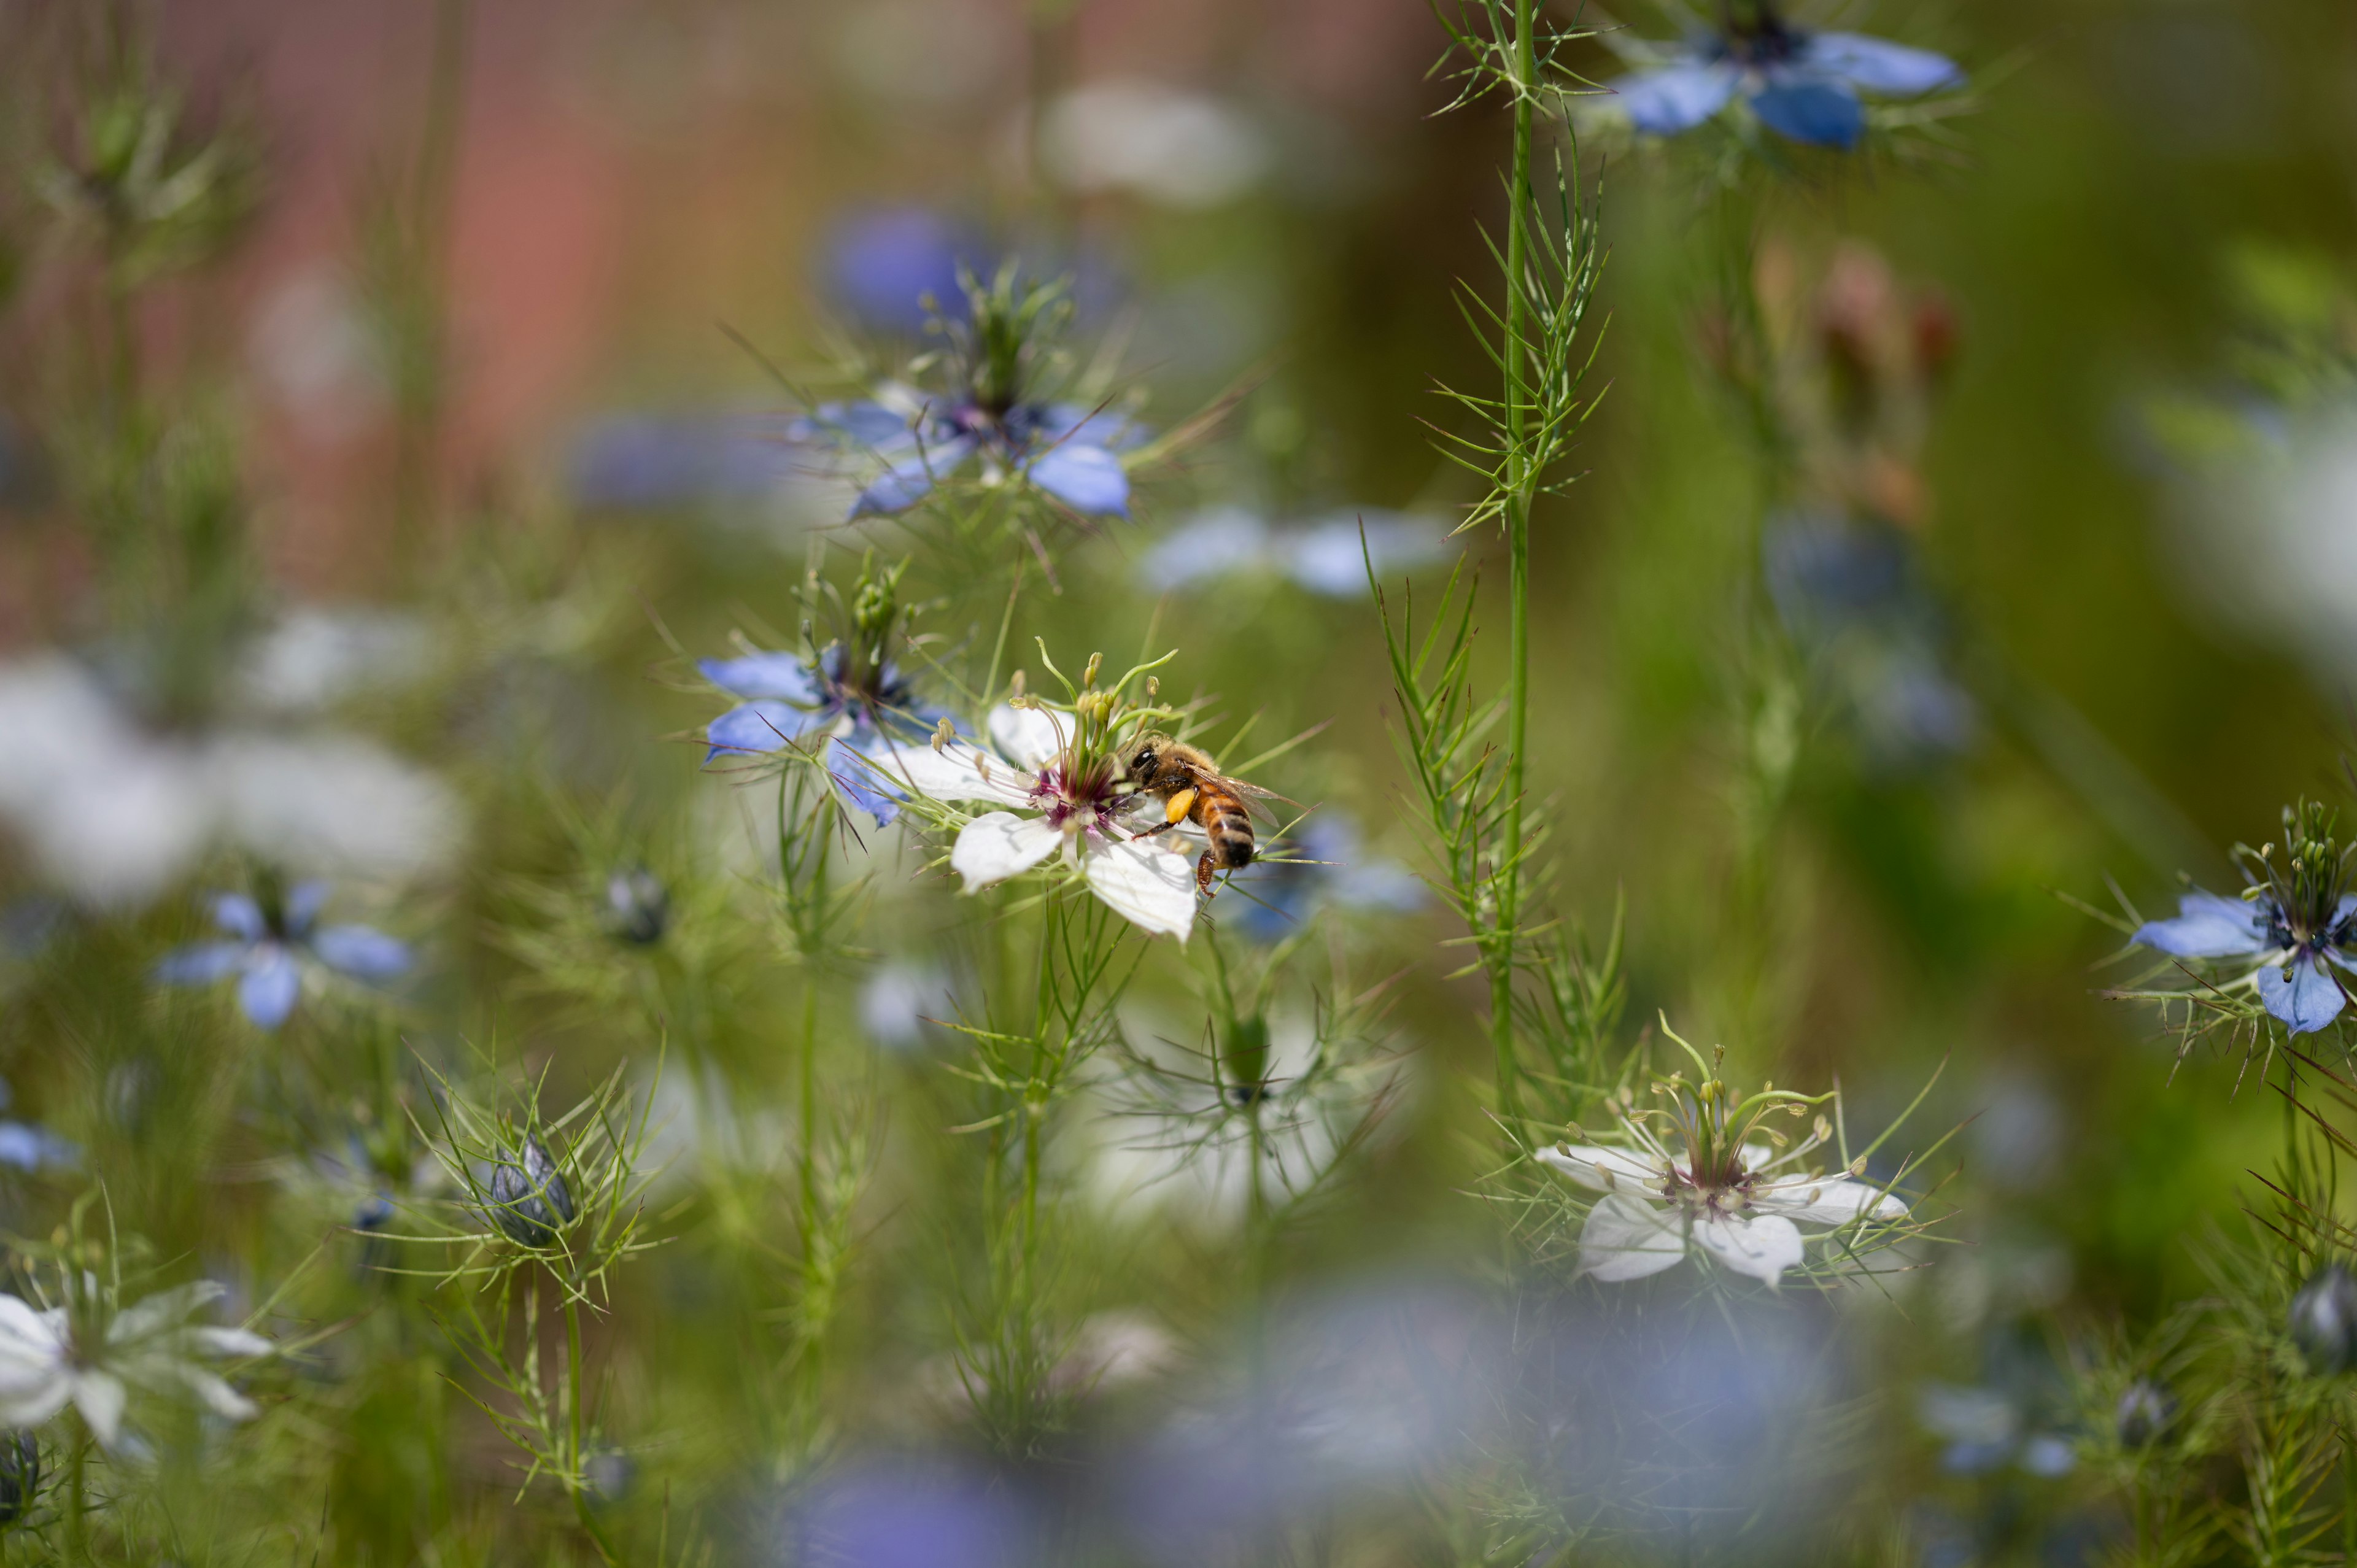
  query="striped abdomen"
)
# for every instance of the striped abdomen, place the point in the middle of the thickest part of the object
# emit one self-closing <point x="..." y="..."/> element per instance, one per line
<point x="1223" y="817"/>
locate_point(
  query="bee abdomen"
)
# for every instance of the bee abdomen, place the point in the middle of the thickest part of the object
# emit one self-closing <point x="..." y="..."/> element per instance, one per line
<point x="1229" y="830"/>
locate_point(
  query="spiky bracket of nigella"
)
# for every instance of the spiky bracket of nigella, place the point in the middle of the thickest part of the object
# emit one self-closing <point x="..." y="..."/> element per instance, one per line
<point x="2293" y="980"/>
<point x="1802" y="85"/>
<point x="1064" y="450"/>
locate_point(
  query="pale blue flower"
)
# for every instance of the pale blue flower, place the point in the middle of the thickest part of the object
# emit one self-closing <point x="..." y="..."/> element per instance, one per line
<point x="1328" y="557"/>
<point x="895" y="268"/>
<point x="267" y="947"/>
<point x="790" y="699"/>
<point x="1064" y="450"/>
<point x="1327" y="867"/>
<point x="1801" y="84"/>
<point x="2290" y="954"/>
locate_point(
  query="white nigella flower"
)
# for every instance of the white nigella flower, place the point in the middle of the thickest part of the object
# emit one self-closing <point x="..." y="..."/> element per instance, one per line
<point x="1727" y="1196"/>
<point x="54" y="1358"/>
<point x="1064" y="797"/>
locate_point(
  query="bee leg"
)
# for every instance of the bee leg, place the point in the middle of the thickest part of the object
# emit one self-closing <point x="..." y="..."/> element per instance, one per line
<point x="1203" y="875"/>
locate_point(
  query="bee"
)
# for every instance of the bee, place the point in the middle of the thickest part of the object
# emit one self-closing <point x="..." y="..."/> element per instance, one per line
<point x="1192" y="787"/>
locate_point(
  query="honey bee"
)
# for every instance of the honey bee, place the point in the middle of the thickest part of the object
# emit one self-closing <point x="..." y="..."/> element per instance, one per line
<point x="1192" y="787"/>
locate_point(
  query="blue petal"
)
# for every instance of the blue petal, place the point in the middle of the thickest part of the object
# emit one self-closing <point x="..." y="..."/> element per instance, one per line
<point x="1879" y="66"/>
<point x="2206" y="927"/>
<point x="1675" y="98"/>
<point x="911" y="480"/>
<point x="273" y="980"/>
<point x="1089" y="480"/>
<point x="361" y="951"/>
<point x="763" y="726"/>
<point x="304" y="902"/>
<point x="200" y="964"/>
<point x="240" y="917"/>
<point x="863" y="785"/>
<point x="1214" y="544"/>
<point x="2306" y="1002"/>
<point x="1818" y="111"/>
<point x="883" y="262"/>
<point x="1091" y="427"/>
<point x="867" y="424"/>
<point x="31" y="1148"/>
<point x="762" y="675"/>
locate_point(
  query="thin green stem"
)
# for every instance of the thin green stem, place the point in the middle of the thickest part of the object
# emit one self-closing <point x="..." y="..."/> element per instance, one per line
<point x="1518" y="553"/>
<point x="574" y="1458"/>
<point x="78" y="1498"/>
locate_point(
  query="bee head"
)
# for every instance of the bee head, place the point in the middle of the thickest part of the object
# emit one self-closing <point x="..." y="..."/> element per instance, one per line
<point x="1148" y="756"/>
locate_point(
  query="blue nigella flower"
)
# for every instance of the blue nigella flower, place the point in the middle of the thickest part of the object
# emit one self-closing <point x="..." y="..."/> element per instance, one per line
<point x="856" y="704"/>
<point x="1324" y="556"/>
<point x="883" y="264"/>
<point x="1061" y="449"/>
<point x="268" y="941"/>
<point x="1801" y="84"/>
<point x="32" y="1148"/>
<point x="1333" y="872"/>
<point x="2295" y="923"/>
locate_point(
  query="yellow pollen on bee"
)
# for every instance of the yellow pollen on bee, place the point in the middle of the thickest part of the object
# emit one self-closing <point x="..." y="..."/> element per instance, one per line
<point x="1179" y="807"/>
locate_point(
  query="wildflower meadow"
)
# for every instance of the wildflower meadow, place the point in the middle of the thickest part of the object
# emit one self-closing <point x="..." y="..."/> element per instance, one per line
<point x="1315" y="783"/>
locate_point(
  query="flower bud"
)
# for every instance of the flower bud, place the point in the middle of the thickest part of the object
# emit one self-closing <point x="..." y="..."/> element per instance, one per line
<point x="638" y="910"/>
<point x="20" y="1473"/>
<point x="1244" y="1056"/>
<point x="2144" y="1413"/>
<point x="2323" y="1321"/>
<point x="529" y="1198"/>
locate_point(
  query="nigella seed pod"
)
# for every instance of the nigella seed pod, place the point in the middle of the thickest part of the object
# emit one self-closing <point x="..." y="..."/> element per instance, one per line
<point x="2144" y="1413"/>
<point x="2323" y="1321"/>
<point x="638" y="910"/>
<point x="529" y="1198"/>
<point x="20" y="1475"/>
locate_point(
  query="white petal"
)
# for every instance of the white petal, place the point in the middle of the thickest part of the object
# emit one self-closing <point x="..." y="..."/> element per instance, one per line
<point x="98" y="1396"/>
<point x="31" y="1403"/>
<point x="1763" y="1247"/>
<point x="1030" y="736"/>
<point x="232" y="1341"/>
<point x="1606" y="1170"/>
<point x="1626" y="1239"/>
<point x="24" y="1331"/>
<point x="162" y="1310"/>
<point x="1147" y="886"/>
<point x="1000" y="845"/>
<point x="956" y="772"/>
<point x="223" y="1400"/>
<point x="1827" y="1200"/>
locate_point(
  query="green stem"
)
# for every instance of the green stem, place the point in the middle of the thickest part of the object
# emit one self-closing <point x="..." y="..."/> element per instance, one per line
<point x="1518" y="553"/>
<point x="572" y="1428"/>
<point x="809" y="1364"/>
<point x="77" y="1498"/>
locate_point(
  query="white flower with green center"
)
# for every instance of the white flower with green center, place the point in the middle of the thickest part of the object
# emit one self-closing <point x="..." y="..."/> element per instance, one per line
<point x="1723" y="1194"/>
<point x="93" y="1360"/>
<point x="1065" y="796"/>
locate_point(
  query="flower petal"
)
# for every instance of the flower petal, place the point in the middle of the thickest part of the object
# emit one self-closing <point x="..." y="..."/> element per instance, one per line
<point x="361" y="951"/>
<point x="1675" y="98"/>
<point x="100" y="1397"/>
<point x="1605" y="1170"/>
<point x="2206" y="927"/>
<point x="1094" y="427"/>
<point x="26" y="1333"/>
<point x="200" y="964"/>
<point x="1089" y="480"/>
<point x="31" y="1402"/>
<point x="765" y="725"/>
<point x="1878" y="65"/>
<point x="1761" y="1246"/>
<point x="1217" y="543"/>
<point x="1624" y="1237"/>
<point x="1816" y="110"/>
<point x="865" y="423"/>
<point x="273" y="980"/>
<point x="1826" y="1201"/>
<point x="240" y="917"/>
<point x="956" y="772"/>
<point x="1151" y="887"/>
<point x="231" y="1341"/>
<point x="1032" y="736"/>
<point x="2309" y="1000"/>
<point x="219" y="1397"/>
<point x="304" y="902"/>
<point x="911" y="480"/>
<point x="995" y="847"/>
<point x="757" y="674"/>
<point x="862" y="782"/>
